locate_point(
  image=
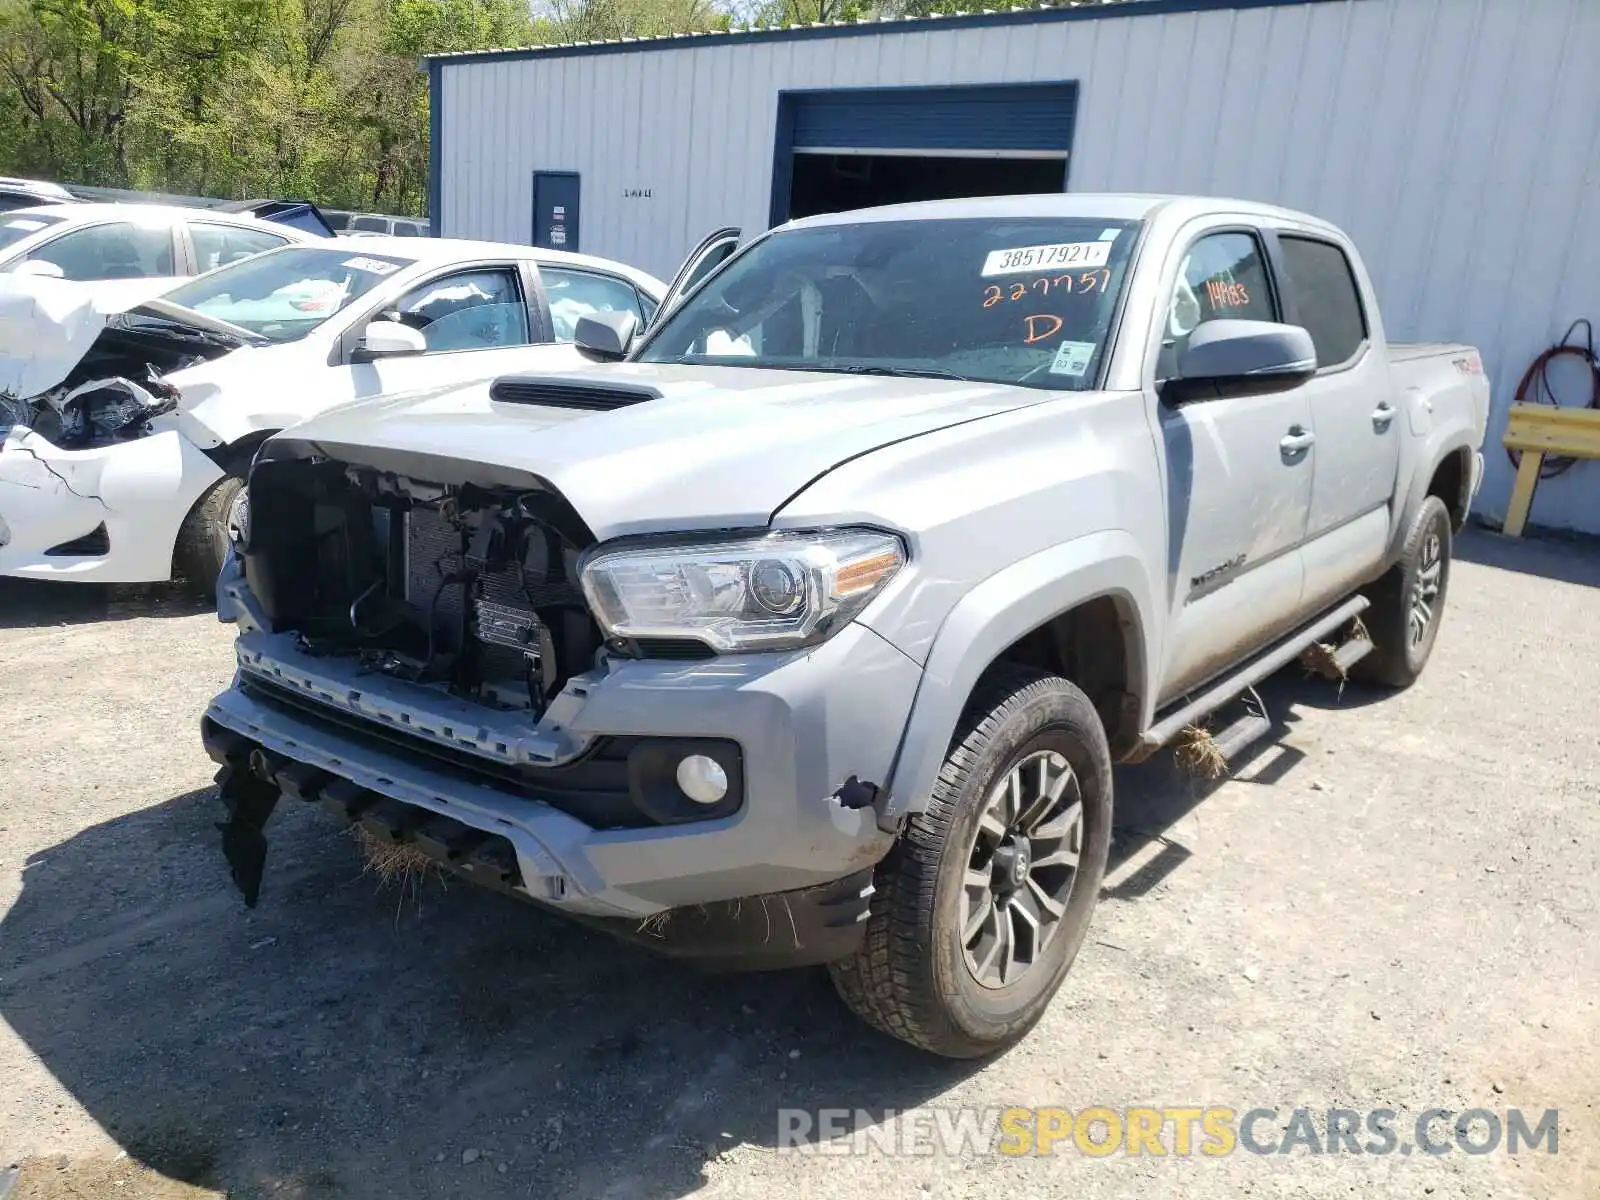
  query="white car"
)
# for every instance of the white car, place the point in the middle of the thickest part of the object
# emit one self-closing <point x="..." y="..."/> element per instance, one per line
<point x="131" y="251"/>
<point x="131" y="467"/>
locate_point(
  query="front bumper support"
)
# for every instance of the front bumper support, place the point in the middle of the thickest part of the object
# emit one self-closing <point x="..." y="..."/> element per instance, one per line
<point x="804" y="725"/>
<point x="800" y="927"/>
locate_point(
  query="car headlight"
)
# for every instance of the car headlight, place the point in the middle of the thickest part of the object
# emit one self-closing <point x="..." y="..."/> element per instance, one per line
<point x="773" y="592"/>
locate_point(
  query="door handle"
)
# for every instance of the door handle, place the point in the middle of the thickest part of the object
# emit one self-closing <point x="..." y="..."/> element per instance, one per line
<point x="1382" y="416"/>
<point x="1297" y="441"/>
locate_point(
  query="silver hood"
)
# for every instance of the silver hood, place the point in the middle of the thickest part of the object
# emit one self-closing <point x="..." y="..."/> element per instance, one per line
<point x="723" y="448"/>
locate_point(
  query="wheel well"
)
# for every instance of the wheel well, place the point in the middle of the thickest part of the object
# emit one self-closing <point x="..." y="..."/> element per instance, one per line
<point x="236" y="457"/>
<point x="1449" y="483"/>
<point x="1096" y="647"/>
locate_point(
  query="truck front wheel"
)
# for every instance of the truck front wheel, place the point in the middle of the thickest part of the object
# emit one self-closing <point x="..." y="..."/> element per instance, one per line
<point x="983" y="903"/>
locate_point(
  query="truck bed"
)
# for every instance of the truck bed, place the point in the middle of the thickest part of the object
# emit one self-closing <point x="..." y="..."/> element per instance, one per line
<point x="1411" y="351"/>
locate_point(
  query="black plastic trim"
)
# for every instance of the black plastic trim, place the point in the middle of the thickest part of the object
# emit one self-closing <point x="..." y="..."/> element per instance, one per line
<point x="94" y="544"/>
<point x="598" y="396"/>
<point x="775" y="931"/>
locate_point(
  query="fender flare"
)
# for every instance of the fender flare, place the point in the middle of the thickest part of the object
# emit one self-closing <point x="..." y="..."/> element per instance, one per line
<point x="1441" y="444"/>
<point x="993" y="615"/>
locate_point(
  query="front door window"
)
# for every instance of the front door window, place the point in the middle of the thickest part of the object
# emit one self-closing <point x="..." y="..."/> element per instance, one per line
<point x="473" y="310"/>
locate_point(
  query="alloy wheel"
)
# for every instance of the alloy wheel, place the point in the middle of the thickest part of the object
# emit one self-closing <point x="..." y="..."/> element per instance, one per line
<point x="1425" y="590"/>
<point x="1021" y="868"/>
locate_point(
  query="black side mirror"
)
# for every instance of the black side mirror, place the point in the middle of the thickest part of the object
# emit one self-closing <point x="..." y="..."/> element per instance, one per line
<point x="1256" y="355"/>
<point x="605" y="336"/>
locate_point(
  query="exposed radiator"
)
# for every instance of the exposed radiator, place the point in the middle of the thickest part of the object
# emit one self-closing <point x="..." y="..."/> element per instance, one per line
<point x="433" y="553"/>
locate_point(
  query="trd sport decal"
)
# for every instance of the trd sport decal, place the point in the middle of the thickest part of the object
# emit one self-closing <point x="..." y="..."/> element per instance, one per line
<point x="1205" y="577"/>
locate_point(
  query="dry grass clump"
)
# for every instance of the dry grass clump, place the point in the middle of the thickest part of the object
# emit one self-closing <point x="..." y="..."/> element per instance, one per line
<point x="656" y="923"/>
<point x="398" y="865"/>
<point x="1318" y="658"/>
<point x="1196" y="752"/>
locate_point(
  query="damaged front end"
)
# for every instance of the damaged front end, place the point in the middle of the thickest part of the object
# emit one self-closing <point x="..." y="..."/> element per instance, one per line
<point x="117" y="387"/>
<point x="95" y="413"/>
<point x="415" y="653"/>
<point x="96" y="470"/>
<point x="469" y="590"/>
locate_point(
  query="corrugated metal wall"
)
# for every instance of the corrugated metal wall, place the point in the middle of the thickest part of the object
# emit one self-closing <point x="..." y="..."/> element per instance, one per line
<point x="1458" y="141"/>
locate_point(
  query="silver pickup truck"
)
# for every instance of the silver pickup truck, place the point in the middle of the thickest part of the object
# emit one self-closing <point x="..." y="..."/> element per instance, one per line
<point x="808" y="630"/>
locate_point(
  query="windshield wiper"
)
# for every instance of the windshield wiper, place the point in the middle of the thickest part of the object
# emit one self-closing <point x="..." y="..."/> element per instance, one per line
<point x="197" y="325"/>
<point x="874" y="369"/>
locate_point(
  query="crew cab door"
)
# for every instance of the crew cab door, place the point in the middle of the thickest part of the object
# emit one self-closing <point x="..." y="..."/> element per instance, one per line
<point x="710" y="254"/>
<point x="1238" y="471"/>
<point x="1353" y="409"/>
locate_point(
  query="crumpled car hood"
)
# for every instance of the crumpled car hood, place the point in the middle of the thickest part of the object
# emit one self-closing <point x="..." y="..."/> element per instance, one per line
<point x="48" y="325"/>
<point x="724" y="447"/>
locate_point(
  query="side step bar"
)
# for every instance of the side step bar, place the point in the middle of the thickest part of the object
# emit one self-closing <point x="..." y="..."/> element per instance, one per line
<point x="1246" y="731"/>
<point x="1247" y="676"/>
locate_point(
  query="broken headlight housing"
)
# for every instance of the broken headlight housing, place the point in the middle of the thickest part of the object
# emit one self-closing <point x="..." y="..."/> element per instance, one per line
<point x="777" y="591"/>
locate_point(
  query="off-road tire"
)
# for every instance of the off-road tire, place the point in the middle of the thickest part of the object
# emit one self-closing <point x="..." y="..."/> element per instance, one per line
<point x="1394" y="661"/>
<point x="909" y="978"/>
<point x="203" y="537"/>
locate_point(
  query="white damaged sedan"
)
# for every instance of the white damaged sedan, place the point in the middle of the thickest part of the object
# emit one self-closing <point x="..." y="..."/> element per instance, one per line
<point x="128" y="466"/>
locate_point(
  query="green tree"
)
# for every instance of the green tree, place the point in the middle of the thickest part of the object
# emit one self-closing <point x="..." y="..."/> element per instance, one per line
<point x="319" y="98"/>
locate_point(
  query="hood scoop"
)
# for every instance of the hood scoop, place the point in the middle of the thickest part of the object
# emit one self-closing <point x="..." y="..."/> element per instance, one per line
<point x="590" y="395"/>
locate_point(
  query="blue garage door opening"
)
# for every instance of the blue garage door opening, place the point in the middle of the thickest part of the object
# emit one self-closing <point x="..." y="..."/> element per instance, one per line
<point x="839" y="149"/>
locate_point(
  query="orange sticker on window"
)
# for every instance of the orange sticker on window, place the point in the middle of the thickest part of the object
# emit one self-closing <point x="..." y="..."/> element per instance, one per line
<point x="1227" y="295"/>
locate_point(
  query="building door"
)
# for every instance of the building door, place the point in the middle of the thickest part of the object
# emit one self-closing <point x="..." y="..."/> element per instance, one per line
<point x="844" y="148"/>
<point x="555" y="210"/>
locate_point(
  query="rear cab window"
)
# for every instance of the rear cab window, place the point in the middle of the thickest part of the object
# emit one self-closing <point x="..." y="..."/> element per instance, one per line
<point x="1327" y="301"/>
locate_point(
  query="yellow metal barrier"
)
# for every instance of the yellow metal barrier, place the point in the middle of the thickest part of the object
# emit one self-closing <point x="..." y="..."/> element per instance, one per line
<point x="1540" y="429"/>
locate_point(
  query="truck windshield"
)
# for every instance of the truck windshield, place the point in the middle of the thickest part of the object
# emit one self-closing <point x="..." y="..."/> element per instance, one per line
<point x="1024" y="301"/>
<point x="285" y="294"/>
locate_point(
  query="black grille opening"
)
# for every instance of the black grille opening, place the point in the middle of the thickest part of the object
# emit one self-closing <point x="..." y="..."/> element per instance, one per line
<point x="367" y="564"/>
<point x="687" y="649"/>
<point x="95" y="543"/>
<point x="558" y="393"/>
<point x="594" y="788"/>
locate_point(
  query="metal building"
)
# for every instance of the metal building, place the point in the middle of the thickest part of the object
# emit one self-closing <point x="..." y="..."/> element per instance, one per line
<point x="1458" y="141"/>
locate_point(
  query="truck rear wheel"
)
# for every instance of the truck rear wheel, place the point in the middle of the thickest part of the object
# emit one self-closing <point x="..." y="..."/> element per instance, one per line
<point x="204" y="535"/>
<point x="983" y="903"/>
<point x="1408" y="602"/>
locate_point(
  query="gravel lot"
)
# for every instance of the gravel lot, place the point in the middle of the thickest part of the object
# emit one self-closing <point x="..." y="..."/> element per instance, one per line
<point x="1392" y="905"/>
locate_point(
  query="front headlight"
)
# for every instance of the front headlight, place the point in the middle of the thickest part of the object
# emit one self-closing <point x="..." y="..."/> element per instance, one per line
<point x="773" y="592"/>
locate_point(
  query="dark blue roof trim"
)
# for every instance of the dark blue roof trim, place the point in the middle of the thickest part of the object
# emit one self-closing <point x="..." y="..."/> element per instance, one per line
<point x="435" y="146"/>
<point x="981" y="20"/>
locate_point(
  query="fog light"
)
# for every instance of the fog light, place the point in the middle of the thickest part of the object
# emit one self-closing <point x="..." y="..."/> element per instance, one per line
<point x="702" y="779"/>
